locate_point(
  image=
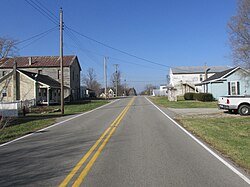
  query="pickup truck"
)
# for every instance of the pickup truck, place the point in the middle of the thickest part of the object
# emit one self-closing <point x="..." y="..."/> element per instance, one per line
<point x="235" y="104"/>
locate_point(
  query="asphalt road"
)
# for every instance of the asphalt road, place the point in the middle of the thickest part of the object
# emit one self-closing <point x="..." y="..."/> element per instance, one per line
<point x="141" y="147"/>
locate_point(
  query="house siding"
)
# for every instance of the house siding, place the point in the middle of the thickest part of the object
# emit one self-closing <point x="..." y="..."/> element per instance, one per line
<point x="177" y="80"/>
<point x="221" y="89"/>
<point x="6" y="86"/>
<point x="75" y="80"/>
<point x="27" y="90"/>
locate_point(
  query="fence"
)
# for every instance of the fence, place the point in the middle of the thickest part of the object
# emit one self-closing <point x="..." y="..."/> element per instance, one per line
<point x="13" y="109"/>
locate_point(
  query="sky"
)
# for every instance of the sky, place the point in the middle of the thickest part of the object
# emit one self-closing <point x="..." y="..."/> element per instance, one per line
<point x="168" y="33"/>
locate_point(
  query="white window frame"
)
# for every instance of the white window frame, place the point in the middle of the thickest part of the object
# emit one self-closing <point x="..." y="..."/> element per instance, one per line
<point x="234" y="84"/>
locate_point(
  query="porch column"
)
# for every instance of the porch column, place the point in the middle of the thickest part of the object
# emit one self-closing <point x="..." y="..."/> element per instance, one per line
<point x="48" y="96"/>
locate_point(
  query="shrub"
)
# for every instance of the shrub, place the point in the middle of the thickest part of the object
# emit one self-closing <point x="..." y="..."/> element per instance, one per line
<point x="204" y="97"/>
<point x="189" y="96"/>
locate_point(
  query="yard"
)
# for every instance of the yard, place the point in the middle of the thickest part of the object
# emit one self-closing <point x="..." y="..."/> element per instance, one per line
<point x="41" y="117"/>
<point x="181" y="103"/>
<point x="227" y="133"/>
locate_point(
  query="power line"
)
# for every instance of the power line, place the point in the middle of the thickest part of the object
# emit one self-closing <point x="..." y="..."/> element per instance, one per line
<point x="42" y="11"/>
<point x="56" y="17"/>
<point x="141" y="65"/>
<point x="41" y="36"/>
<point x="108" y="46"/>
<point x="37" y="35"/>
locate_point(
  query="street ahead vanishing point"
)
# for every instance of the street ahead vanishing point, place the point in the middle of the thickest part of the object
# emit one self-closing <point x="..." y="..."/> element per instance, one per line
<point x="130" y="142"/>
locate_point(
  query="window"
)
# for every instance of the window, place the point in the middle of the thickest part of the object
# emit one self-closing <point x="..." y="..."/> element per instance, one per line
<point x="201" y="77"/>
<point x="234" y="88"/>
<point x="58" y="73"/>
<point x="4" y="93"/>
<point x="3" y="73"/>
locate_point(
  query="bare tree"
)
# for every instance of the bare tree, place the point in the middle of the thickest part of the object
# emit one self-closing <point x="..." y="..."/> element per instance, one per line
<point x="239" y="31"/>
<point x="148" y="89"/>
<point x="120" y="86"/>
<point x="90" y="80"/>
<point x="7" y="47"/>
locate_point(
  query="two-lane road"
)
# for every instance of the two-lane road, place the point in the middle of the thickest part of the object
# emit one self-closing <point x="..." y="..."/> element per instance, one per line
<point x="127" y="143"/>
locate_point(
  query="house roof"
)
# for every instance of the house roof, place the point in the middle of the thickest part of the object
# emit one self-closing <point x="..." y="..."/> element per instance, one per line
<point x="37" y="61"/>
<point x="220" y="74"/>
<point x="42" y="78"/>
<point x="197" y="69"/>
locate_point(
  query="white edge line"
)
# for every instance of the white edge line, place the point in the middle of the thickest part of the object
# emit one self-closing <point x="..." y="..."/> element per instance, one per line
<point x="12" y="141"/>
<point x="245" y="178"/>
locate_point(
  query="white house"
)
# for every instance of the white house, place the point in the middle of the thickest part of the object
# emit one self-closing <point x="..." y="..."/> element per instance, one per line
<point x="110" y="93"/>
<point x="163" y="91"/>
<point x="184" y="78"/>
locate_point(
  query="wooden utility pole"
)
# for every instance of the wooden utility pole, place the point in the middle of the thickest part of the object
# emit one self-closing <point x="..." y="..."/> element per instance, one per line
<point x="116" y="79"/>
<point x="105" y="77"/>
<point x="61" y="61"/>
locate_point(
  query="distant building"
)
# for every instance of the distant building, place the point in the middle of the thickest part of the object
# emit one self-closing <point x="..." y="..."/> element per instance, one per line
<point x="132" y="92"/>
<point x="163" y="91"/>
<point x="87" y="93"/>
<point x="110" y="93"/>
<point x="184" y="79"/>
<point x="38" y="77"/>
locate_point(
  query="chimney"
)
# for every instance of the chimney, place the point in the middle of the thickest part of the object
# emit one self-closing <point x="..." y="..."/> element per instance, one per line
<point x="30" y="60"/>
<point x="14" y="81"/>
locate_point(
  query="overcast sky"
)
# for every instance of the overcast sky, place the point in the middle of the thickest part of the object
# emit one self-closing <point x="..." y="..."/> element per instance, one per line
<point x="168" y="32"/>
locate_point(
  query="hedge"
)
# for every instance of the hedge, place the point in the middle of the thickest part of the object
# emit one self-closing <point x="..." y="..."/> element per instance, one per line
<point x="199" y="96"/>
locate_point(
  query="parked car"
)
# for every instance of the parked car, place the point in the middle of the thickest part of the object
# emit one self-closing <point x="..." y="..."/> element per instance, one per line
<point x="235" y="104"/>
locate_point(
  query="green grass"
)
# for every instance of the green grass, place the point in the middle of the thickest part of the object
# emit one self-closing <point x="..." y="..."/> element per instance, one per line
<point x="41" y="118"/>
<point x="25" y="127"/>
<point x="229" y="135"/>
<point x="163" y="101"/>
<point x="78" y="108"/>
<point x="69" y="109"/>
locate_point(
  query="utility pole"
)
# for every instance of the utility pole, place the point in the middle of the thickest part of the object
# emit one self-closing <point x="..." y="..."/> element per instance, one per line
<point x="116" y="79"/>
<point x="61" y="61"/>
<point x="125" y="94"/>
<point x="105" y="76"/>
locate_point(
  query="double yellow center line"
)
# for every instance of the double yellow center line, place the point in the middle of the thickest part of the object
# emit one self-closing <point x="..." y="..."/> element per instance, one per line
<point x="108" y="133"/>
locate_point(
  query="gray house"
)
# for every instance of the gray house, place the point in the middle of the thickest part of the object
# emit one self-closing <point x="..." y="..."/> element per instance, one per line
<point x="38" y="77"/>
<point x="233" y="81"/>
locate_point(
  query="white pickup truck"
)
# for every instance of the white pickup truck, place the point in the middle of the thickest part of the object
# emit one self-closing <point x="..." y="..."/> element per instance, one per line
<point x="235" y="104"/>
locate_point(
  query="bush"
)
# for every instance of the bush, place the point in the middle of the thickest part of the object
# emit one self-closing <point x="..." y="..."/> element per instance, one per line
<point x="189" y="96"/>
<point x="199" y="96"/>
<point x="203" y="97"/>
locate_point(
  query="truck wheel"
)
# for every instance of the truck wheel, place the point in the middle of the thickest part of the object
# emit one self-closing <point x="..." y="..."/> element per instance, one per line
<point x="244" y="110"/>
<point x="232" y="111"/>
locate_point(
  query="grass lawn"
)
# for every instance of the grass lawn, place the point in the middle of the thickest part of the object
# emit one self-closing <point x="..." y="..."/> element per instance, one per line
<point x="25" y="127"/>
<point x="68" y="108"/>
<point x="41" y="118"/>
<point x="163" y="101"/>
<point x="229" y="135"/>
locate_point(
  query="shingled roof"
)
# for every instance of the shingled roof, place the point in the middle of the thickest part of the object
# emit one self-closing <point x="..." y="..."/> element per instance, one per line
<point x="197" y="69"/>
<point x="42" y="78"/>
<point x="220" y="75"/>
<point x="36" y="61"/>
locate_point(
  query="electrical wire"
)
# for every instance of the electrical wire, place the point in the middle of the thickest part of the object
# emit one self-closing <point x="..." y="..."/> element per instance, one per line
<point x="51" y="13"/>
<point x="41" y="36"/>
<point x="121" y="51"/>
<point x="37" y="35"/>
<point x="42" y="11"/>
<point x="52" y="17"/>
